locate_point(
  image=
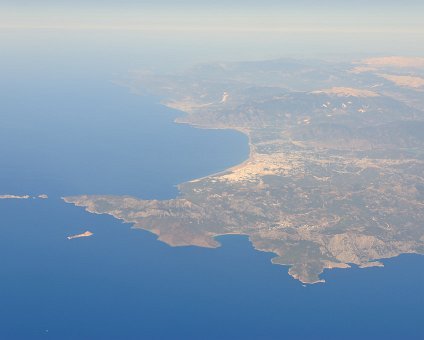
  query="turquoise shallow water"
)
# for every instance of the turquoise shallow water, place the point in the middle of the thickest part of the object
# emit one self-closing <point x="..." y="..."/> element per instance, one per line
<point x="80" y="135"/>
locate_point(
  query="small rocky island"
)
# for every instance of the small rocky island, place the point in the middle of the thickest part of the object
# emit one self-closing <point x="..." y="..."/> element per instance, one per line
<point x="85" y="234"/>
<point x="335" y="174"/>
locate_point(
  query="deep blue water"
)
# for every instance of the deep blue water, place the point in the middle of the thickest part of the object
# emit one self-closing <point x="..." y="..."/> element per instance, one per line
<point x="122" y="283"/>
<point x="84" y="136"/>
<point x="81" y="135"/>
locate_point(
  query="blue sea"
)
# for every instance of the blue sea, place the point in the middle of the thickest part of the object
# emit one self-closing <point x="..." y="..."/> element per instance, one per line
<point x="67" y="134"/>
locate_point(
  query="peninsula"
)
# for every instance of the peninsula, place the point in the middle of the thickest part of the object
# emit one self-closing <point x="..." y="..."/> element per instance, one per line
<point x="335" y="174"/>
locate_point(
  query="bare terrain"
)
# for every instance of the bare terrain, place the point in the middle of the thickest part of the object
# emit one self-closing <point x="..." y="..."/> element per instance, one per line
<point x="85" y="234"/>
<point x="335" y="172"/>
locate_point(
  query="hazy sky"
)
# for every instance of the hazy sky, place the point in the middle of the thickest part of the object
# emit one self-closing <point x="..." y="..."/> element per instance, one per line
<point x="238" y="3"/>
<point x="147" y="32"/>
<point x="220" y="15"/>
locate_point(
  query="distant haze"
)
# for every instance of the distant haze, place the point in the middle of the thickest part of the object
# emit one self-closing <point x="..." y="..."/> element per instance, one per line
<point x="140" y="34"/>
